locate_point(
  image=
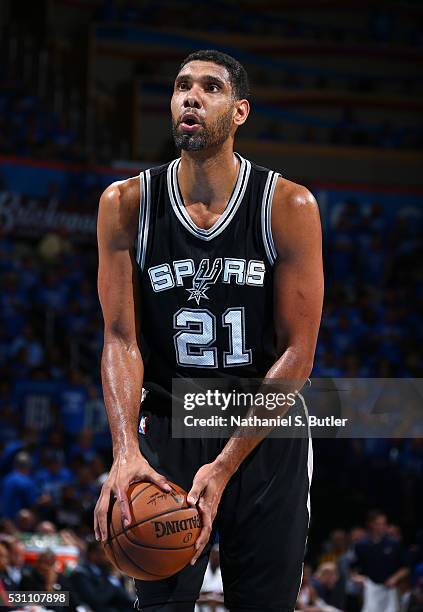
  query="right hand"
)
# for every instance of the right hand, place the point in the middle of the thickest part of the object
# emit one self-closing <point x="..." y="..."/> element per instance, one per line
<point x="124" y="471"/>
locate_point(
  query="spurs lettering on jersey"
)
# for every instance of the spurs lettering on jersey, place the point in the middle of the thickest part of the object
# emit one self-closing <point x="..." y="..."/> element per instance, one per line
<point x="226" y="270"/>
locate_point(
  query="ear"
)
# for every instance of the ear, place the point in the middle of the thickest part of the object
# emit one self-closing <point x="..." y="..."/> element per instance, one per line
<point x="242" y="110"/>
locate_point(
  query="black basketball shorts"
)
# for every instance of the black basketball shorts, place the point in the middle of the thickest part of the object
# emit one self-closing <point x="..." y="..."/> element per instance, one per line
<point x="262" y="520"/>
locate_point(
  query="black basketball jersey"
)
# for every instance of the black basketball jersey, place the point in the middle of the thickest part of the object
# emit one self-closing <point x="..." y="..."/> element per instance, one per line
<point x="206" y="295"/>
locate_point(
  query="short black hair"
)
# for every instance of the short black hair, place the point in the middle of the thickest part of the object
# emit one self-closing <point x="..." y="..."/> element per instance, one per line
<point x="237" y="73"/>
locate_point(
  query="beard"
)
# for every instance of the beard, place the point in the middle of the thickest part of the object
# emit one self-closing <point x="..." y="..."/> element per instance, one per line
<point x="209" y="136"/>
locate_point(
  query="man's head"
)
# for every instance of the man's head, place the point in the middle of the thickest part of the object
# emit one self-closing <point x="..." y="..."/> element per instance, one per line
<point x="46" y="560"/>
<point x="377" y="524"/>
<point x="338" y="539"/>
<point x="25" y="520"/>
<point x="327" y="574"/>
<point x="22" y="462"/>
<point x="209" y="101"/>
<point x="46" y="528"/>
<point x="17" y="553"/>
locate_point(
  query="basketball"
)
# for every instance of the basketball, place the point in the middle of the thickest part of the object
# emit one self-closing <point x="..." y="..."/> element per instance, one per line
<point x="160" y="539"/>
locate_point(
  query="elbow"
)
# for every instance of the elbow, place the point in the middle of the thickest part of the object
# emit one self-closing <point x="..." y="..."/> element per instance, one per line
<point x="307" y="368"/>
<point x="300" y="359"/>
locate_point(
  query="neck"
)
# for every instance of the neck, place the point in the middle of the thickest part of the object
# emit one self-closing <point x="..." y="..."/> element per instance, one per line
<point x="208" y="176"/>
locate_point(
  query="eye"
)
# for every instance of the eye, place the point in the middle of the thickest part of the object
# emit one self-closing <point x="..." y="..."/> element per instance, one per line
<point x="213" y="87"/>
<point x="182" y="85"/>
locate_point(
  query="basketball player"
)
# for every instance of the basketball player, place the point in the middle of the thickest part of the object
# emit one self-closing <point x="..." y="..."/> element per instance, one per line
<point x="254" y="238"/>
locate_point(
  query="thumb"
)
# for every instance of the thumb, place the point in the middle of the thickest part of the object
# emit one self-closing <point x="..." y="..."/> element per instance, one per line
<point x="194" y="494"/>
<point x="160" y="481"/>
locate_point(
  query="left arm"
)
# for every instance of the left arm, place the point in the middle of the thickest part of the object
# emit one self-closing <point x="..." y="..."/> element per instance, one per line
<point x="298" y="297"/>
<point x="393" y="580"/>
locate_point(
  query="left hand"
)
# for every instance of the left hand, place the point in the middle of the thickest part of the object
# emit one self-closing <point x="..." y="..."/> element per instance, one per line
<point x="206" y="491"/>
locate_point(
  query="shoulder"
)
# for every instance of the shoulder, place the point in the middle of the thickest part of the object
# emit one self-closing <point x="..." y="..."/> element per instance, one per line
<point x="290" y="197"/>
<point x="362" y="544"/>
<point x="123" y="195"/>
<point x="118" y="212"/>
<point x="295" y="218"/>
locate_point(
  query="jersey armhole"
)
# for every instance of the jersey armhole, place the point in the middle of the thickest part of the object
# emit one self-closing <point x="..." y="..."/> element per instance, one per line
<point x="144" y="217"/>
<point x="266" y="216"/>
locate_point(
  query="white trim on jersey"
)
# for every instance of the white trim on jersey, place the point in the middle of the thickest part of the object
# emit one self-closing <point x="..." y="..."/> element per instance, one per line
<point x="144" y="217"/>
<point x="227" y="215"/>
<point x="310" y="476"/>
<point x="310" y="452"/>
<point x="266" y="216"/>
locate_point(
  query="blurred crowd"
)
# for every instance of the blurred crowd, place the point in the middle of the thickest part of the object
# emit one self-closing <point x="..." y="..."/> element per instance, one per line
<point x="373" y="295"/>
<point x="365" y="568"/>
<point x="89" y="578"/>
<point x="54" y="439"/>
<point x="27" y="128"/>
<point x="379" y="25"/>
<point x="43" y="102"/>
<point x="369" y="567"/>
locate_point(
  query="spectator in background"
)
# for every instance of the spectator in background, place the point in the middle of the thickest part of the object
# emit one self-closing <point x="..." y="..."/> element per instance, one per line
<point x="336" y="550"/>
<point x="382" y="563"/>
<point x="324" y="581"/>
<point x="16" y="552"/>
<point x="43" y="576"/>
<point x="19" y="490"/>
<point x="68" y="510"/>
<point x="212" y="588"/>
<point x="336" y="546"/>
<point x="96" y="585"/>
<point x="16" y="561"/>
<point x="25" y="521"/>
<point x="27" y="341"/>
<point x="83" y="447"/>
<point x="352" y="589"/>
<point x="53" y="477"/>
<point x="5" y="583"/>
<point x="414" y="603"/>
<point x="308" y="601"/>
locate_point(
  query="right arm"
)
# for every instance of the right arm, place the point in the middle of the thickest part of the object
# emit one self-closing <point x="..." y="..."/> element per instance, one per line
<point x="122" y="368"/>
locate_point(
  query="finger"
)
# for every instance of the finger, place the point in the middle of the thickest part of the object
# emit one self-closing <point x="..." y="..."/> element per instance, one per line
<point x="205" y="532"/>
<point x="195" y="492"/>
<point x="96" y="530"/>
<point x="159" y="480"/>
<point x="122" y="499"/>
<point x="201" y="542"/>
<point x="102" y="508"/>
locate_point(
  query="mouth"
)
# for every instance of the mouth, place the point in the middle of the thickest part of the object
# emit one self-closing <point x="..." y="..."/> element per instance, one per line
<point x="190" y="122"/>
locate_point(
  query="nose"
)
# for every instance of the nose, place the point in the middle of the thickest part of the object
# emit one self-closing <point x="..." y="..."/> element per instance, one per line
<point x="191" y="102"/>
<point x="192" y="99"/>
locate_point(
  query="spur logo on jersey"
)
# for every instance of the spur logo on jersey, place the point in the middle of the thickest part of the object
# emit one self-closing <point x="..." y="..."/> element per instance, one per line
<point x="226" y="270"/>
<point x="204" y="277"/>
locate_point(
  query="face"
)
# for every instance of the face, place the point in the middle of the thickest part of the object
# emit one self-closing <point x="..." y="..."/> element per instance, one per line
<point x="204" y="111"/>
<point x="329" y="577"/>
<point x="45" y="563"/>
<point x="379" y="526"/>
